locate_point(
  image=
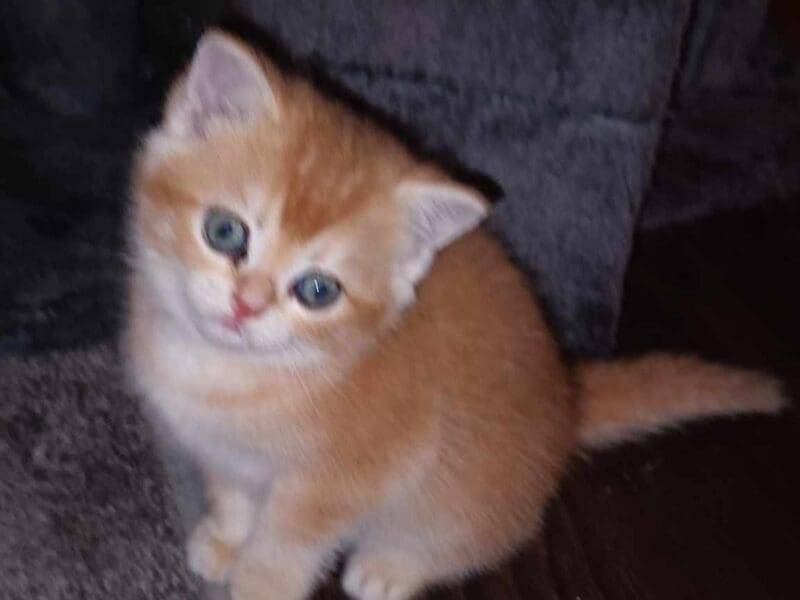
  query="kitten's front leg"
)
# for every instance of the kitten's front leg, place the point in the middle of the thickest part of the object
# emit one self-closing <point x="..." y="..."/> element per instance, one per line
<point x="293" y="542"/>
<point x="214" y="546"/>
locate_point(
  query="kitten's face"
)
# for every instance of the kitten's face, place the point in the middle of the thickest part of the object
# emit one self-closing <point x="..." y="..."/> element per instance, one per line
<point x="209" y="249"/>
<point x="271" y="222"/>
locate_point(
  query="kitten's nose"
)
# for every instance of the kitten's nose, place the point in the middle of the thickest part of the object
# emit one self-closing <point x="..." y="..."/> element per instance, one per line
<point x="242" y="309"/>
<point x="250" y="300"/>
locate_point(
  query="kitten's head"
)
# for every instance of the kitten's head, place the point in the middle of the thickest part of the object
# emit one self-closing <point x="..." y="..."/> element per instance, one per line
<point x="271" y="221"/>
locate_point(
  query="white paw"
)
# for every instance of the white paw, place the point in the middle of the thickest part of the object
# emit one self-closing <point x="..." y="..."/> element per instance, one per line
<point x="379" y="579"/>
<point x="208" y="556"/>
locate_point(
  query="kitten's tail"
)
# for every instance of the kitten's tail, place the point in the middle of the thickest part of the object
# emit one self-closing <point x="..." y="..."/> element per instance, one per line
<point x="627" y="399"/>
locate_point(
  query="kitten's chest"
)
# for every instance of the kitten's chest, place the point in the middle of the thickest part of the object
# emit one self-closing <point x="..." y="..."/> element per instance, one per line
<point x="230" y="421"/>
<point x="216" y="442"/>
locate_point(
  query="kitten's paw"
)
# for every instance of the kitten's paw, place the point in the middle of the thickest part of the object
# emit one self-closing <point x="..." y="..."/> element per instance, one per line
<point x="209" y="556"/>
<point x="381" y="578"/>
<point x="249" y="584"/>
<point x="255" y="581"/>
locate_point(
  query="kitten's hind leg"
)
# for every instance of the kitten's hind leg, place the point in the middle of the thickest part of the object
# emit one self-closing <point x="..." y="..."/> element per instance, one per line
<point x="213" y="547"/>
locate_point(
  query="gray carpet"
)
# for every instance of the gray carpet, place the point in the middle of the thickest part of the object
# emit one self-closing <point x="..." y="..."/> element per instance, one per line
<point x="84" y="508"/>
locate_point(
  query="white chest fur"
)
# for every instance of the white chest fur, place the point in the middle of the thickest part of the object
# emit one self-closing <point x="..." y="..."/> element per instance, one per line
<point x="215" y="443"/>
<point x="182" y="381"/>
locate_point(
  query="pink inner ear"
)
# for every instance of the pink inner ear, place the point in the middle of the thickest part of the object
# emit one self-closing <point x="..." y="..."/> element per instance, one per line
<point x="225" y="83"/>
<point x="437" y="215"/>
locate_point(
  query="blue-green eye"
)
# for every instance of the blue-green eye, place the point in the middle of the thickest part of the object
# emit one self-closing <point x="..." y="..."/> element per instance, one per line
<point x="316" y="290"/>
<point x="226" y="233"/>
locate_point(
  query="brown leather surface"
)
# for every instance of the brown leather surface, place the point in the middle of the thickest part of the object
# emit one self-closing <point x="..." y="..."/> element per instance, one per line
<point x="785" y="18"/>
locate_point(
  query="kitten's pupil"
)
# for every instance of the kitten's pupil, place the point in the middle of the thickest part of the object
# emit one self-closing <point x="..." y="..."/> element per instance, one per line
<point x="224" y="230"/>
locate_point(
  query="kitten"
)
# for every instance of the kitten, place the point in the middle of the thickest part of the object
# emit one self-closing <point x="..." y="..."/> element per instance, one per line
<point x="352" y="360"/>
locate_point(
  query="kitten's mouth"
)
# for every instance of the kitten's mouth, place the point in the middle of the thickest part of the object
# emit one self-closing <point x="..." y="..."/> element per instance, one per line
<point x="232" y="324"/>
<point x="230" y="329"/>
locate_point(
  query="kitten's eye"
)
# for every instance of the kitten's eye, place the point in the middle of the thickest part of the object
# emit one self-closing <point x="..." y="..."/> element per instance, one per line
<point x="316" y="290"/>
<point x="226" y="233"/>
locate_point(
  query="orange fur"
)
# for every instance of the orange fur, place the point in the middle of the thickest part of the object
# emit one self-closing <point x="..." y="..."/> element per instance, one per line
<point x="426" y="434"/>
<point x="627" y="398"/>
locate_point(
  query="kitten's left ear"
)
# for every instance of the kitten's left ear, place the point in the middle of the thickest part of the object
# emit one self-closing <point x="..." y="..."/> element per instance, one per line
<point x="437" y="213"/>
<point x="225" y="84"/>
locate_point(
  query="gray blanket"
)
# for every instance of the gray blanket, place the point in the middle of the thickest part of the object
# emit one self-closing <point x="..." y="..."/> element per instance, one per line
<point x="558" y="102"/>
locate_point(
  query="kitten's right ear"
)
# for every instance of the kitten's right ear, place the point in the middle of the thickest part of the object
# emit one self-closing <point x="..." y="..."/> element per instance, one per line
<point x="225" y="84"/>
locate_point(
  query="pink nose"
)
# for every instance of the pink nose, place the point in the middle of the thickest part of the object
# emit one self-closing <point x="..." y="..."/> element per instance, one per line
<point x="242" y="309"/>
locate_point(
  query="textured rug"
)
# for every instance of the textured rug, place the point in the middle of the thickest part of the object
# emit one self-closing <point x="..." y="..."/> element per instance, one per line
<point x="85" y="511"/>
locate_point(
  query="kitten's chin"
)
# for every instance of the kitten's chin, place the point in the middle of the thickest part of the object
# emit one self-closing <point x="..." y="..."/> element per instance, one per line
<point x="288" y="351"/>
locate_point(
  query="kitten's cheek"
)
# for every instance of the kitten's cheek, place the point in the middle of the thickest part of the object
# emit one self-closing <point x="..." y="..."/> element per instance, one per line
<point x="210" y="297"/>
<point x="269" y="330"/>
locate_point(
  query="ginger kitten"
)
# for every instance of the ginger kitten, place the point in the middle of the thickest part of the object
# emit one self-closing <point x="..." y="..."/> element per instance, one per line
<point x="353" y="361"/>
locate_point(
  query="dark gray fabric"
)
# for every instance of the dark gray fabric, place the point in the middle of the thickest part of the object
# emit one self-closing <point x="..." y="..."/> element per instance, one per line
<point x="84" y="509"/>
<point x="719" y="39"/>
<point x="731" y="142"/>
<point x="71" y="56"/>
<point x="559" y="102"/>
<point x="62" y="190"/>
